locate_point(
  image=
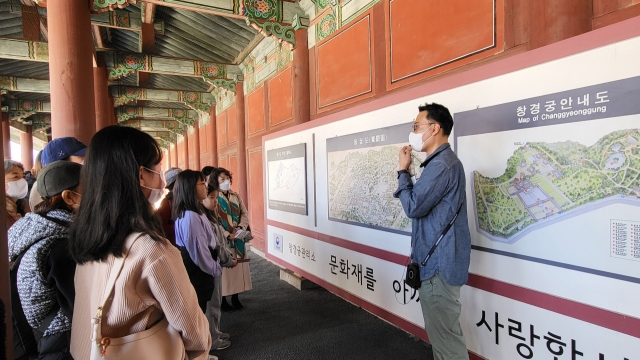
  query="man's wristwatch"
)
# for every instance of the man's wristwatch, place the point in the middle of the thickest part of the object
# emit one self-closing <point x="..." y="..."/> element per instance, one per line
<point x="402" y="172"/>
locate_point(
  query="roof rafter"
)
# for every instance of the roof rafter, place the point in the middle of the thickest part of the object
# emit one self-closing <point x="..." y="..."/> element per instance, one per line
<point x="125" y="20"/>
<point x="275" y="18"/>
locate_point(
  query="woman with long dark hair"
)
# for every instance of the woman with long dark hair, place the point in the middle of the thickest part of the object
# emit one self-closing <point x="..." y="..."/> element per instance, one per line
<point x="121" y="180"/>
<point x="194" y="235"/>
<point x="227" y="260"/>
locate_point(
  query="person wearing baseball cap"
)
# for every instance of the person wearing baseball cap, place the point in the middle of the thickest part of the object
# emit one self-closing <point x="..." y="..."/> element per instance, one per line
<point x="43" y="267"/>
<point x="65" y="148"/>
<point x="164" y="210"/>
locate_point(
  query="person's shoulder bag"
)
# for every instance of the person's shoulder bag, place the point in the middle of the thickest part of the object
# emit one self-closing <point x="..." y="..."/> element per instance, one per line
<point x="161" y="341"/>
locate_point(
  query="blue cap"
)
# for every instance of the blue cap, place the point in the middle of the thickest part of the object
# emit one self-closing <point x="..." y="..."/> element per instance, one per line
<point x="62" y="148"/>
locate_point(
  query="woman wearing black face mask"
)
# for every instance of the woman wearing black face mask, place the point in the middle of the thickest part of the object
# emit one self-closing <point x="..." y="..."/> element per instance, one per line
<point x="42" y="275"/>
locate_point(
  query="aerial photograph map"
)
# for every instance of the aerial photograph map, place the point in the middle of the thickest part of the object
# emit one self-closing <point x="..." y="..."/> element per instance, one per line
<point x="545" y="182"/>
<point x="361" y="186"/>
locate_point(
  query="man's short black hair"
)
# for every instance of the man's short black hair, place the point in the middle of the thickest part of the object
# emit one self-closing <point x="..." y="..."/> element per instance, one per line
<point x="439" y="114"/>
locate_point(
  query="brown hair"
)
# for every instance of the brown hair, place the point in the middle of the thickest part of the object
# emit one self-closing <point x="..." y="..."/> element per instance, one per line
<point x="56" y="202"/>
<point x="37" y="165"/>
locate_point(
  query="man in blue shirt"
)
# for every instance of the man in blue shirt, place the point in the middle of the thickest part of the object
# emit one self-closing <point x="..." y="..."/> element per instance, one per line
<point x="432" y="203"/>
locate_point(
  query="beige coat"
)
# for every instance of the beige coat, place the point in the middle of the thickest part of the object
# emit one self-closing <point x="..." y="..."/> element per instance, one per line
<point x="153" y="283"/>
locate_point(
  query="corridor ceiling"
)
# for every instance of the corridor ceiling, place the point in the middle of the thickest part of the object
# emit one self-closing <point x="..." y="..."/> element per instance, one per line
<point x="194" y="48"/>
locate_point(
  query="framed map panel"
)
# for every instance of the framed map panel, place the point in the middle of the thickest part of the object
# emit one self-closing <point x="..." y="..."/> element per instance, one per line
<point x="361" y="170"/>
<point x="286" y="168"/>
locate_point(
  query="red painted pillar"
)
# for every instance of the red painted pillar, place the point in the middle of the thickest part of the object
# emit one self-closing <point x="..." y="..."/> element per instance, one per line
<point x="554" y="20"/>
<point x="5" y="292"/>
<point x="26" y="148"/>
<point x="103" y="104"/>
<point x="186" y="148"/>
<point x="240" y="180"/>
<point x="214" y="135"/>
<point x="112" y="112"/>
<point x="71" y="69"/>
<point x="175" y="152"/>
<point x="6" y="136"/>
<point x="196" y="144"/>
<point x="169" y="156"/>
<point x="301" y="99"/>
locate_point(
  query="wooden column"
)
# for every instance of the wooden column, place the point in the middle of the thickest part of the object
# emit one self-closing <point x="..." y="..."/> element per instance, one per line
<point x="553" y="20"/>
<point x="112" y="111"/>
<point x="26" y="148"/>
<point x="71" y="69"/>
<point x="104" y="107"/>
<point x="196" y="144"/>
<point x="169" y="157"/>
<point x="6" y="136"/>
<point x="214" y="135"/>
<point x="5" y="288"/>
<point x="186" y="148"/>
<point x="240" y="179"/>
<point x="301" y="99"/>
<point x="175" y="152"/>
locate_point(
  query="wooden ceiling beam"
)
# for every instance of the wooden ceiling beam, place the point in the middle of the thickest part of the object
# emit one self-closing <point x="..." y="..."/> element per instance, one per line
<point x="121" y="64"/>
<point x="143" y="79"/>
<point x="18" y="84"/>
<point x="147" y="35"/>
<point x="148" y="12"/>
<point x="97" y="36"/>
<point x="30" y="23"/>
<point x="213" y="10"/>
<point x="123" y="95"/>
<point x="125" y="113"/>
<point x="9" y="105"/>
<point x="125" y="20"/>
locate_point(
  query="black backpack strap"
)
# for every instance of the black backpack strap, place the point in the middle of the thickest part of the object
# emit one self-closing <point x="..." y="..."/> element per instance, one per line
<point x="57" y="221"/>
<point x="47" y="321"/>
<point x="25" y="338"/>
<point x="24" y="341"/>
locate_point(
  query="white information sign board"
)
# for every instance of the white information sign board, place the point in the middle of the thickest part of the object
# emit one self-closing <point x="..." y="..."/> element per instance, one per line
<point x="552" y="158"/>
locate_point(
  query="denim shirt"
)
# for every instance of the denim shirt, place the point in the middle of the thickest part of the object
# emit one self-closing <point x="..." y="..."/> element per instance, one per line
<point x="431" y="203"/>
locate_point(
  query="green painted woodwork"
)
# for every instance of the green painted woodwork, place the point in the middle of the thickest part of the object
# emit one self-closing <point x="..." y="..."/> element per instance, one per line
<point x="106" y="5"/>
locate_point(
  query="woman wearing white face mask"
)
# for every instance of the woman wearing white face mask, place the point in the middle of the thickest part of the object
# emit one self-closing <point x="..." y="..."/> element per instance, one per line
<point x="233" y="216"/>
<point x="16" y="188"/>
<point x="117" y="236"/>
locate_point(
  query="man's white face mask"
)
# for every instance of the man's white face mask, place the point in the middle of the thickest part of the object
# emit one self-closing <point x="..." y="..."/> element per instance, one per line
<point x="415" y="140"/>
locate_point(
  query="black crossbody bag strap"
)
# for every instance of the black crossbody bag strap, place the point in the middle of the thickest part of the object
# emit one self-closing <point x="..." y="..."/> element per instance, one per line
<point x="444" y="232"/>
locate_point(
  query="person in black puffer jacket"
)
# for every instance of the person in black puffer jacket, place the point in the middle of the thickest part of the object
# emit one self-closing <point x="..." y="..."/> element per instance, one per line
<point x="46" y="270"/>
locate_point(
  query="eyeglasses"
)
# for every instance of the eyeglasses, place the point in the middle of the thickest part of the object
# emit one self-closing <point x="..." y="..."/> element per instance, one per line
<point x="155" y="172"/>
<point x="416" y="126"/>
